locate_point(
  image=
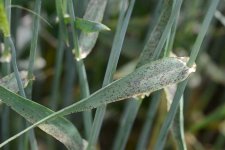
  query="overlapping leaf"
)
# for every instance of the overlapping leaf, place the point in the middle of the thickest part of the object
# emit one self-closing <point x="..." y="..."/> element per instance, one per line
<point x="144" y="80"/>
<point x="94" y="12"/>
<point x="156" y="35"/>
<point x="60" y="128"/>
<point x="178" y="122"/>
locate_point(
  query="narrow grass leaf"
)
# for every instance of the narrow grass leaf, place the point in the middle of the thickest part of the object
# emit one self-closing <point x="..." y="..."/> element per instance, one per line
<point x="119" y="37"/>
<point x="178" y="123"/>
<point x="154" y="39"/>
<point x="73" y="41"/>
<point x="149" y="53"/>
<point x="181" y="86"/>
<point x="126" y="123"/>
<point x="145" y="57"/>
<point x="146" y="130"/>
<point x="62" y="36"/>
<point x="23" y="142"/>
<point x="94" y="12"/>
<point x="33" y="47"/>
<point x="178" y="127"/>
<point x="149" y="78"/>
<point x="174" y="14"/>
<point x="60" y="128"/>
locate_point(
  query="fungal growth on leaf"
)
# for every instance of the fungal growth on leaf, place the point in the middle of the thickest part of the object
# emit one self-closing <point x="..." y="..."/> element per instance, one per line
<point x="144" y="80"/>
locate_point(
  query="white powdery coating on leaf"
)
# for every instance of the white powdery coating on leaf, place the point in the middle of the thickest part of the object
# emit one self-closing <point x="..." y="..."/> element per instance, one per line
<point x="144" y="80"/>
<point x="61" y="136"/>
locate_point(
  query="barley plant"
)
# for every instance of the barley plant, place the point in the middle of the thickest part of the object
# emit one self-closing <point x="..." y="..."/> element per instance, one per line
<point x="112" y="74"/>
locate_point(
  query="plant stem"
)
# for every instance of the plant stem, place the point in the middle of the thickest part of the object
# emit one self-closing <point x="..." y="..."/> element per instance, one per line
<point x="146" y="129"/>
<point x="178" y="127"/>
<point x="33" y="49"/>
<point x="6" y="70"/>
<point x="59" y="57"/>
<point x="19" y="82"/>
<point x="58" y="69"/>
<point x="69" y="78"/>
<point x="35" y="29"/>
<point x="111" y="68"/>
<point x="154" y="40"/>
<point x="126" y="123"/>
<point x="87" y="115"/>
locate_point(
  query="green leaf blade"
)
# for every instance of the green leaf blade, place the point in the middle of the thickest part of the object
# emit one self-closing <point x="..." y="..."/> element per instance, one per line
<point x="90" y="26"/>
<point x="94" y="12"/>
<point x="144" y="80"/>
<point x="156" y="35"/>
<point x="60" y="128"/>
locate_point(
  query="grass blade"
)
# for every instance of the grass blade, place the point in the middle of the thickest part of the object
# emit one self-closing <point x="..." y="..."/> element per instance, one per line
<point x="146" y="56"/>
<point x="35" y="29"/>
<point x="73" y="41"/>
<point x="61" y="129"/>
<point x="94" y="12"/>
<point x="146" y="130"/>
<point x="156" y="35"/>
<point x="6" y="58"/>
<point x="178" y="123"/>
<point x="181" y="86"/>
<point x="69" y="78"/>
<point x="126" y="123"/>
<point x="111" y="67"/>
<point x="59" y="58"/>
<point x="178" y="127"/>
<point x="20" y="86"/>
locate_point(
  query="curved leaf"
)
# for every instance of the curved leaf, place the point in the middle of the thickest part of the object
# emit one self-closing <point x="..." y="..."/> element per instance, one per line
<point x="94" y="12"/>
<point x="144" y="80"/>
<point x="60" y="128"/>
